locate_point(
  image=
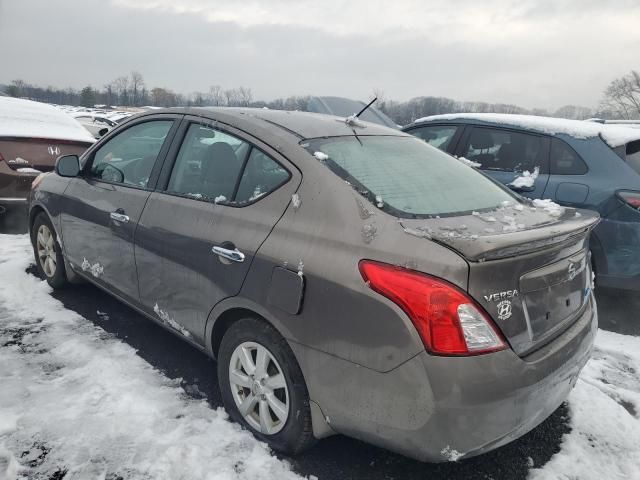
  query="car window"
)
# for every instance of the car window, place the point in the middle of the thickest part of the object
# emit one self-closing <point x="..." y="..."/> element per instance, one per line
<point x="631" y="152"/>
<point x="208" y="165"/>
<point x="437" y="135"/>
<point x="261" y="176"/>
<point x="129" y="157"/>
<point x="564" y="160"/>
<point x="407" y="177"/>
<point x="504" y="150"/>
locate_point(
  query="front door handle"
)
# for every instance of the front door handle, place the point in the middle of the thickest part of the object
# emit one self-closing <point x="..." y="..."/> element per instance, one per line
<point x="119" y="216"/>
<point x="234" y="254"/>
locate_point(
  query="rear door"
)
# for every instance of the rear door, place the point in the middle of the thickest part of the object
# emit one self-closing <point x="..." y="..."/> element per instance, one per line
<point x="103" y="205"/>
<point x="222" y="194"/>
<point x="514" y="158"/>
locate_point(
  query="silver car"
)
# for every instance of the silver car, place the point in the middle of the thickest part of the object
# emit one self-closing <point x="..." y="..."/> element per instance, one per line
<point x="348" y="278"/>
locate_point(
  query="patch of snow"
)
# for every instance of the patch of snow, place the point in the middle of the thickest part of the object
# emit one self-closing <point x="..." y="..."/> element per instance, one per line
<point x="354" y="121"/>
<point x="166" y="318"/>
<point x="18" y="161"/>
<point x="96" y="269"/>
<point x="549" y="206"/>
<point x="28" y="170"/>
<point x="469" y="163"/>
<point x="527" y="179"/>
<point x="451" y="454"/>
<point x="197" y="196"/>
<point x="369" y="232"/>
<point x="300" y="268"/>
<point x="295" y="201"/>
<point x="420" y="232"/>
<point x="95" y="407"/>
<point x="379" y="202"/>
<point x="604" y="441"/>
<point x="614" y="135"/>
<point x="102" y="315"/>
<point x="24" y="118"/>
<point x="219" y="199"/>
<point x="321" y="156"/>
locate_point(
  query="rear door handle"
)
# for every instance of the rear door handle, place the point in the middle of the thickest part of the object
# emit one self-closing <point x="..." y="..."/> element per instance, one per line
<point x="119" y="216"/>
<point x="234" y="255"/>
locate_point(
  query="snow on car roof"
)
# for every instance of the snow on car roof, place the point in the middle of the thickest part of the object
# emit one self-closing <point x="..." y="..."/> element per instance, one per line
<point x="614" y="135"/>
<point x="24" y="118"/>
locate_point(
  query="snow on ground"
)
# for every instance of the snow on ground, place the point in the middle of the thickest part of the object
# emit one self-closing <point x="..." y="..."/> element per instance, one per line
<point x="73" y="398"/>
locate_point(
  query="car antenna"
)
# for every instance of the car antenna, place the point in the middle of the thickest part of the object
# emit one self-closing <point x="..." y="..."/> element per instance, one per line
<point x="353" y="120"/>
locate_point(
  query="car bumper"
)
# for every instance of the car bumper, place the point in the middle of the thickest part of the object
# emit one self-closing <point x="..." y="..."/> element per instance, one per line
<point x="14" y="186"/>
<point x="444" y="408"/>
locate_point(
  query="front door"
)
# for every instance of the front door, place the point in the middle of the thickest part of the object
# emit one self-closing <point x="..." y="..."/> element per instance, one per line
<point x="103" y="205"/>
<point x="517" y="159"/>
<point x="197" y="237"/>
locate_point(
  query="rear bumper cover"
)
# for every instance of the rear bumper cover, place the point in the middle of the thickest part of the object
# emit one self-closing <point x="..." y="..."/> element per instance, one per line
<point x="443" y="408"/>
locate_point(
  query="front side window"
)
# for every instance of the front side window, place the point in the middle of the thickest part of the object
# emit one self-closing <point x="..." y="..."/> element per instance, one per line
<point x="407" y="177"/>
<point x="506" y="151"/>
<point x="437" y="135"/>
<point x="129" y="157"/>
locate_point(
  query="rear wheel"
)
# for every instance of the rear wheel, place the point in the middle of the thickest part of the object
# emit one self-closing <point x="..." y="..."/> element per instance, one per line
<point x="262" y="386"/>
<point x="47" y="252"/>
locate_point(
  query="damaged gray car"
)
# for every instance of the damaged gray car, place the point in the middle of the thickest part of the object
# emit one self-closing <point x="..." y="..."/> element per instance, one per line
<point x="348" y="278"/>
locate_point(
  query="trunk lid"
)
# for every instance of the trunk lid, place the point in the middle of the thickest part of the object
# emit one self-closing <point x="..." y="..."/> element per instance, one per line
<point x="529" y="266"/>
<point x="24" y="154"/>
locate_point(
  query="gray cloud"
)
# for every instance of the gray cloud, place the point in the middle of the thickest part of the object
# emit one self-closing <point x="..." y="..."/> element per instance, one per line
<point x="533" y="53"/>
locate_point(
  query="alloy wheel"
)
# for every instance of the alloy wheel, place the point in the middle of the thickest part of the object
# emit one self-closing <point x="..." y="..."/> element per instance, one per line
<point x="259" y="388"/>
<point x="45" y="245"/>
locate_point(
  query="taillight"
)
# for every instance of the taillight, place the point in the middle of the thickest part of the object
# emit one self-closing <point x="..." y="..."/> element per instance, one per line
<point x="448" y="320"/>
<point x="630" y="198"/>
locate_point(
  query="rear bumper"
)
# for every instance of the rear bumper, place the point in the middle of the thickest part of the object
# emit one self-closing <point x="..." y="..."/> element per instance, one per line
<point x="432" y="406"/>
<point x="14" y="186"/>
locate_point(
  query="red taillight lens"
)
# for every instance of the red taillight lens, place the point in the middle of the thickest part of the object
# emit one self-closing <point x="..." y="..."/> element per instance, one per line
<point x="448" y="321"/>
<point x="630" y="198"/>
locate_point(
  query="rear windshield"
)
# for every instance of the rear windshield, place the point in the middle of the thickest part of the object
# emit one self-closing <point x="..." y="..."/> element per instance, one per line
<point x="407" y="176"/>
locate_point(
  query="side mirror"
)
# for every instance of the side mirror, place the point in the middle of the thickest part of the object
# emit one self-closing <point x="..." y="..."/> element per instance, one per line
<point x="522" y="189"/>
<point x="68" y="166"/>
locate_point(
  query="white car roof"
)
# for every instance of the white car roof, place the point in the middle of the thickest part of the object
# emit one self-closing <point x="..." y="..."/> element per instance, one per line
<point x="24" y="118"/>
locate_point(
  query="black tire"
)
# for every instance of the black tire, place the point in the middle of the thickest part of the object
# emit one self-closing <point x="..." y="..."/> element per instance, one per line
<point x="296" y="435"/>
<point x="56" y="277"/>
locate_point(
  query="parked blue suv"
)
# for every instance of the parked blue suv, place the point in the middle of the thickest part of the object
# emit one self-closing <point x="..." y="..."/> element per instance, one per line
<point x="578" y="164"/>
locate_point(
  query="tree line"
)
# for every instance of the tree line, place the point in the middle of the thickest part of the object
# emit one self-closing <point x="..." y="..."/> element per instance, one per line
<point x="621" y="99"/>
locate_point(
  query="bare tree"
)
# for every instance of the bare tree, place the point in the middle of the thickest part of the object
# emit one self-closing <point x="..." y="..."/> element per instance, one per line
<point x="245" y="97"/>
<point x="216" y="96"/>
<point x="137" y="84"/>
<point x="121" y="85"/>
<point x="622" y="96"/>
<point x="231" y="97"/>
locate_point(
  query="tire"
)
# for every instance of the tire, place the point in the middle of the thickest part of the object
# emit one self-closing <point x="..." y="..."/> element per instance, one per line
<point x="47" y="252"/>
<point x="294" y="434"/>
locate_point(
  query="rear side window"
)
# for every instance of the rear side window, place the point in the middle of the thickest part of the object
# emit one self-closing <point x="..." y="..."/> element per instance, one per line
<point x="564" y="160"/>
<point x="633" y="155"/>
<point x="407" y="177"/>
<point x="505" y="150"/>
<point x="220" y="168"/>
<point x="438" y="136"/>
<point x="129" y="157"/>
<point x="262" y="175"/>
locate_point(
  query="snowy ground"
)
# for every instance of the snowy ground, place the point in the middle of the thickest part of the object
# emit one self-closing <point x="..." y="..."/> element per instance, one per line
<point x="75" y="399"/>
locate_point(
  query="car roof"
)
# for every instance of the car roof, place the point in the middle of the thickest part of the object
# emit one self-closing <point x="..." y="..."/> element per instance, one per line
<point x="614" y="135"/>
<point x="299" y="124"/>
<point x="342" y="106"/>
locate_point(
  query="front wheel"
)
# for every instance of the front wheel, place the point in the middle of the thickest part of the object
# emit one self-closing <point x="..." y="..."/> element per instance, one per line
<point x="47" y="251"/>
<point x="262" y="386"/>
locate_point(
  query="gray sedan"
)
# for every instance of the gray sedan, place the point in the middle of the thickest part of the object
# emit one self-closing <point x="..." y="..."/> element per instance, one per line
<point x="347" y="277"/>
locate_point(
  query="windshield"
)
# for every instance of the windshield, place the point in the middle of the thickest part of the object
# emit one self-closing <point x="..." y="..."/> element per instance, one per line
<point x="407" y="176"/>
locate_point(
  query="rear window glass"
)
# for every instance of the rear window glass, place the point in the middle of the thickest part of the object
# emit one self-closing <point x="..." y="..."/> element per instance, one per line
<point x="408" y="177"/>
<point x="565" y="161"/>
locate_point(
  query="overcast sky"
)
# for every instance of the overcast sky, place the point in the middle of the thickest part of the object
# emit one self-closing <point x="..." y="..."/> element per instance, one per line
<point x="534" y="53"/>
